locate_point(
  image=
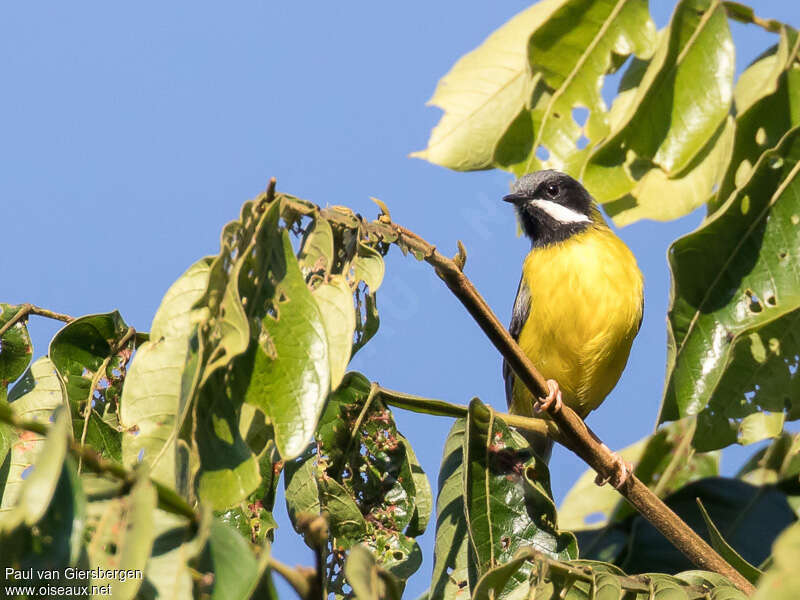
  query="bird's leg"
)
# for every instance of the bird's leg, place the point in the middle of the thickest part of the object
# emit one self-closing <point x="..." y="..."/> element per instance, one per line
<point x="552" y="403"/>
<point x="619" y="475"/>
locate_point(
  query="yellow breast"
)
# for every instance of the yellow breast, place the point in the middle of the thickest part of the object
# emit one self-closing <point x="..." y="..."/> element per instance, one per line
<point x="586" y="307"/>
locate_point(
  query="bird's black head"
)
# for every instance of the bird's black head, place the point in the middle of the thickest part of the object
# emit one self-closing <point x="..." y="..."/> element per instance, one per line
<point x="551" y="206"/>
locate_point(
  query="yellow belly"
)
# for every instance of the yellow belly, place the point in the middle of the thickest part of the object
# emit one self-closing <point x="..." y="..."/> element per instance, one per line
<point x="585" y="310"/>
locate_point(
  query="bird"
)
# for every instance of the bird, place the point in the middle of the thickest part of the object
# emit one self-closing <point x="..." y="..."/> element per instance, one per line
<point x="579" y="303"/>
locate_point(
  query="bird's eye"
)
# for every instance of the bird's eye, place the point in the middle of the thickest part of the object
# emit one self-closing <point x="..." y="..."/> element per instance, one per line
<point x="551" y="190"/>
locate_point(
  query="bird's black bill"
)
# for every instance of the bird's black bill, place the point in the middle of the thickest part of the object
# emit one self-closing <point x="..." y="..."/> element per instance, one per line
<point x="513" y="198"/>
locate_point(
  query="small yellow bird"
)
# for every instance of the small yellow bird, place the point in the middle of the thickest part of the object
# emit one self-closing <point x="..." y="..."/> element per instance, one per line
<point x="579" y="302"/>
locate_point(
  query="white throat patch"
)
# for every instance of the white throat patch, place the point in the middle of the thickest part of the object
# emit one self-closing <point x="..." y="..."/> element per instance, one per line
<point x="559" y="212"/>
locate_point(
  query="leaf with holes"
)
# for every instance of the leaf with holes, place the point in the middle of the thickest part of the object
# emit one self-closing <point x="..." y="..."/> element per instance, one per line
<point x="573" y="50"/>
<point x="290" y="376"/>
<point x="91" y="357"/>
<point x="767" y="100"/>
<point x="663" y="123"/>
<point x="16" y="348"/>
<point x="151" y="395"/>
<point x="507" y="498"/>
<point x="365" y="478"/>
<point x="483" y="93"/>
<point x="733" y="351"/>
<point x="35" y="397"/>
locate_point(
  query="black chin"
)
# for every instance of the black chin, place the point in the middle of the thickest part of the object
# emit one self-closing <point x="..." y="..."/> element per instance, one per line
<point x="543" y="230"/>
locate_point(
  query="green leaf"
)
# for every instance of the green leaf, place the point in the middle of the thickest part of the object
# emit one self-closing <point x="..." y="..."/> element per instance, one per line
<point x="767" y="98"/>
<point x="782" y="581"/>
<point x="778" y="462"/>
<point x="16" y="348"/>
<point x="231" y="562"/>
<point x="335" y="300"/>
<point x="665" y="124"/>
<point x="735" y="301"/>
<point x="35" y="397"/>
<point x="368" y="580"/>
<point x="291" y="369"/>
<point x="504" y="484"/>
<point x="150" y="398"/>
<point x="123" y="538"/>
<point x="316" y="251"/>
<point x="171" y="569"/>
<point x="301" y="491"/>
<point x="368" y="323"/>
<point x="369" y="267"/>
<point x="79" y="351"/>
<point x="55" y="541"/>
<point x="39" y="483"/>
<point x="483" y="93"/>
<point x="423" y="495"/>
<point x="573" y="50"/>
<point x="228" y="472"/>
<point x="726" y="551"/>
<point x="492" y="583"/>
<point x="450" y="558"/>
<point x="362" y="474"/>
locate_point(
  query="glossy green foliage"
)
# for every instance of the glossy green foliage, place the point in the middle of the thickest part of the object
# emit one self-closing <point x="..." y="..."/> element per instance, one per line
<point x="732" y="351"/>
<point x="494" y="498"/>
<point x="16" y="348"/>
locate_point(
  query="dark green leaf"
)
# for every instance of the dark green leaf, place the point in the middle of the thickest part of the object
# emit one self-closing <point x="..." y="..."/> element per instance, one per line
<point x="79" y="351"/>
<point x="726" y="551"/>
<point x="507" y="498"/>
<point x="16" y="348"/>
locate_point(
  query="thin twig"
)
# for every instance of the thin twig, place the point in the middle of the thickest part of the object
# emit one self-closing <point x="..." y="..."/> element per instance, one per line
<point x="30" y="309"/>
<point x="573" y="432"/>
<point x="115" y="349"/>
<point x="745" y="14"/>
<point x="430" y="406"/>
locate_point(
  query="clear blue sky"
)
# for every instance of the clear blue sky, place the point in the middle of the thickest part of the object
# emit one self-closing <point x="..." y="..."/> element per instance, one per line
<point x="132" y="132"/>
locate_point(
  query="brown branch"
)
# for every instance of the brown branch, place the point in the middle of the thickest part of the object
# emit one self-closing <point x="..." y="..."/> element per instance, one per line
<point x="30" y="309"/>
<point x="574" y="434"/>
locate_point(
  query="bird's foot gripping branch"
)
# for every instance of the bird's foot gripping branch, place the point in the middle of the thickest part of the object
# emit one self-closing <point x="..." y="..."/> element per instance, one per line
<point x="194" y="435"/>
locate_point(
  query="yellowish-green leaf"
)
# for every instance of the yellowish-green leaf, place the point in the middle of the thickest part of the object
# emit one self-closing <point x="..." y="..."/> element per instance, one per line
<point x="483" y="93"/>
<point x="335" y="300"/>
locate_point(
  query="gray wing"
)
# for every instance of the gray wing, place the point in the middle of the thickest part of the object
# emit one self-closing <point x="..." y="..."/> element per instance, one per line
<point x="519" y="314"/>
<point x="541" y="444"/>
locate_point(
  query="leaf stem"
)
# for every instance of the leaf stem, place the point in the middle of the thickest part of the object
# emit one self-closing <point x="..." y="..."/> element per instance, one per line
<point x="31" y="309"/>
<point x="440" y="408"/>
<point x="745" y="14"/>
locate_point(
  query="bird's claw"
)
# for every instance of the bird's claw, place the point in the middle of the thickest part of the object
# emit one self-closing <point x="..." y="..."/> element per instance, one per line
<point x="619" y="475"/>
<point x="552" y="403"/>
